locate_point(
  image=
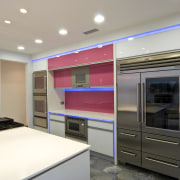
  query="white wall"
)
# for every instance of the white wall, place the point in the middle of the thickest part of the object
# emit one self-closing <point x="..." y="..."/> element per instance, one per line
<point x="25" y="59"/>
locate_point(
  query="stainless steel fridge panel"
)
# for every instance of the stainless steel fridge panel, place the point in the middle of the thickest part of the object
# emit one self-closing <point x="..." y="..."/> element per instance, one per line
<point x="126" y="155"/>
<point x="129" y="139"/>
<point x="161" y="145"/>
<point x="161" y="164"/>
<point x="128" y="101"/>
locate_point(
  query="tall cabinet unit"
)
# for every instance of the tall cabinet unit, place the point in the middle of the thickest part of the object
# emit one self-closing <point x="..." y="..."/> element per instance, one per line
<point x="40" y="98"/>
<point x="149" y="112"/>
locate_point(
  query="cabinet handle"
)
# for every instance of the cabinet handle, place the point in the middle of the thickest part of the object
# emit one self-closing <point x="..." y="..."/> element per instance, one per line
<point x="162" y="162"/>
<point x="163" y="141"/>
<point x="128" y="153"/>
<point x="127" y="134"/>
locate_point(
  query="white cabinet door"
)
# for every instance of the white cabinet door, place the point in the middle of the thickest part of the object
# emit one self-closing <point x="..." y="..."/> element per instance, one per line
<point x="101" y="141"/>
<point x="57" y="128"/>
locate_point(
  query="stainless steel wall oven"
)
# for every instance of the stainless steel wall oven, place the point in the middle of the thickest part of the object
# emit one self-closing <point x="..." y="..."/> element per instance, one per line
<point x="40" y="98"/>
<point x="76" y="127"/>
<point x="149" y="112"/>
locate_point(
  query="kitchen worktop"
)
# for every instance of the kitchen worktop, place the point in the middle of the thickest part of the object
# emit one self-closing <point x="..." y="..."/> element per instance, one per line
<point x="85" y="114"/>
<point x="26" y="152"/>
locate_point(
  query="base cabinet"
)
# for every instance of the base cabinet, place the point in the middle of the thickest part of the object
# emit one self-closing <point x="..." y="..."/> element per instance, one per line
<point x="57" y="125"/>
<point x="100" y="137"/>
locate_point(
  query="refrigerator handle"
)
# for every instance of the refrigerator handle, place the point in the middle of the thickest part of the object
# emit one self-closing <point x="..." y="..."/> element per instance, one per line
<point x="138" y="102"/>
<point x="142" y="102"/>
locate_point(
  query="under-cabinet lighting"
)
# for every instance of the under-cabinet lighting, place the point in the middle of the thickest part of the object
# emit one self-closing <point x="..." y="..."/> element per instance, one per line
<point x="148" y="33"/>
<point x="90" y="89"/>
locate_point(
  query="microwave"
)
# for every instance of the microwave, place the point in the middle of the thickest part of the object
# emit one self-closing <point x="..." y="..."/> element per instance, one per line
<point x="40" y="82"/>
<point x="80" y="77"/>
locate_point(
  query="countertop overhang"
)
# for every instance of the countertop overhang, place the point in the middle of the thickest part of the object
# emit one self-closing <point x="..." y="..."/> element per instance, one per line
<point x="26" y="152"/>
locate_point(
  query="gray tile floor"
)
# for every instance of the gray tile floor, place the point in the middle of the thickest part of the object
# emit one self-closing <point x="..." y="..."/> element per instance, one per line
<point x="102" y="169"/>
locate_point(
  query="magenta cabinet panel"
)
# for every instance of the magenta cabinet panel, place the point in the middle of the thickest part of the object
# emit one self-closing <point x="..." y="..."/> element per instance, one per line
<point x="63" y="78"/>
<point x="101" y="74"/>
<point x="98" y="101"/>
<point x="83" y="57"/>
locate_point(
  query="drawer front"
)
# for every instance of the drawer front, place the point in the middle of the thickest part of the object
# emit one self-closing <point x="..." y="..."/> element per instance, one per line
<point x="57" y="117"/>
<point x="129" y="139"/>
<point x="161" y="145"/>
<point x="40" y="122"/>
<point x="57" y="128"/>
<point x="100" y="124"/>
<point x="130" y="156"/>
<point x="162" y="165"/>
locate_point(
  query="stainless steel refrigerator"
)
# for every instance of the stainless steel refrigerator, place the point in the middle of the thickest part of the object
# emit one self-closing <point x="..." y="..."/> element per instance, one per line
<point x="148" y="117"/>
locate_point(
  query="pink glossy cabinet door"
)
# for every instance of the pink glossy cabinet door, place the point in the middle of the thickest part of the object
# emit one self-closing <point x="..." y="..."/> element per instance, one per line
<point x="101" y="74"/>
<point x="83" y="57"/>
<point x="63" y="78"/>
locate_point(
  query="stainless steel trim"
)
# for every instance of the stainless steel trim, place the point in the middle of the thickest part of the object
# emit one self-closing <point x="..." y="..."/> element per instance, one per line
<point x="163" y="141"/>
<point x="127" y="134"/>
<point x="138" y="103"/>
<point x="162" y="162"/>
<point x="142" y="102"/>
<point x="128" y="153"/>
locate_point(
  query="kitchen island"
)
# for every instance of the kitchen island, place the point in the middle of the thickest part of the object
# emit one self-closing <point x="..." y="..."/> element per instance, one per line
<point x="30" y="154"/>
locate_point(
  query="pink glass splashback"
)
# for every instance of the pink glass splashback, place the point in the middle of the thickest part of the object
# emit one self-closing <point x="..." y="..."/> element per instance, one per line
<point x="83" y="57"/>
<point x="101" y="74"/>
<point x="63" y="78"/>
<point x="98" y="101"/>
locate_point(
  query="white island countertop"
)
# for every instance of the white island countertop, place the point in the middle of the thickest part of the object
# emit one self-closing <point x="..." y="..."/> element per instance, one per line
<point x="26" y="152"/>
<point x="85" y="114"/>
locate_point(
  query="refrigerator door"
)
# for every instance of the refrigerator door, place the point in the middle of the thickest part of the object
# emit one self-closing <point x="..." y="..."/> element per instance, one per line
<point x="160" y="102"/>
<point x="128" y="101"/>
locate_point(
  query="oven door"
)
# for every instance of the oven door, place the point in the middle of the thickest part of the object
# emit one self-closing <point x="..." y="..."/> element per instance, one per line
<point x="40" y="82"/>
<point x="40" y="106"/>
<point x="160" y="102"/>
<point x="76" y="127"/>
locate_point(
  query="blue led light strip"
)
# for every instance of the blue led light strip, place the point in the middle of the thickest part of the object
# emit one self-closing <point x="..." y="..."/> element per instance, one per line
<point x="114" y="41"/>
<point x="90" y="89"/>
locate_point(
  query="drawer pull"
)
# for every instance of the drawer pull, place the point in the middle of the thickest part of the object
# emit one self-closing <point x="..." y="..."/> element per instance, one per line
<point x="162" y="162"/>
<point x="127" y="134"/>
<point x="128" y="153"/>
<point x="164" y="141"/>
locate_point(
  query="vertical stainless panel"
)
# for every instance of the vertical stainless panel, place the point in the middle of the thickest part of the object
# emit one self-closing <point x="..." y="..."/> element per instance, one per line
<point x="128" y="101"/>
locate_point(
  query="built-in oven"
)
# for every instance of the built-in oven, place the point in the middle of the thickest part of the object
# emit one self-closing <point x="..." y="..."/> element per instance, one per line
<point x="40" y="110"/>
<point x="80" y="77"/>
<point x="40" y="82"/>
<point x="76" y="127"/>
<point x="40" y="98"/>
<point x="40" y="105"/>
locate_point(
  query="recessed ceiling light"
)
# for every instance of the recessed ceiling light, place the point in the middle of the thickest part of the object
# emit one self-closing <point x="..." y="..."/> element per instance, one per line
<point x="131" y="38"/>
<point x="24" y="11"/>
<point x="20" y="48"/>
<point x="99" y="18"/>
<point x="143" y="48"/>
<point x="63" y="31"/>
<point x="7" y="21"/>
<point x="38" y="41"/>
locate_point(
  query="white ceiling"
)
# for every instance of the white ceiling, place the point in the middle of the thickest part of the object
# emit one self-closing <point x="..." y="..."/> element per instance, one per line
<point x="46" y="17"/>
